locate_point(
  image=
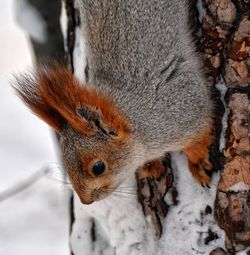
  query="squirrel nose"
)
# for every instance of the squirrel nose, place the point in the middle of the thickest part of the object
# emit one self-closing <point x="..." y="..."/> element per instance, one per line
<point x="86" y="201"/>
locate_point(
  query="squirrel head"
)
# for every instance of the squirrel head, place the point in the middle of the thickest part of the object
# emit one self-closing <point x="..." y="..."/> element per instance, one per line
<point x="96" y="139"/>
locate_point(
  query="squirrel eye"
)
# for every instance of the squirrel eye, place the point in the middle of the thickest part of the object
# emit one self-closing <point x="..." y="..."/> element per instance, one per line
<point x="98" y="168"/>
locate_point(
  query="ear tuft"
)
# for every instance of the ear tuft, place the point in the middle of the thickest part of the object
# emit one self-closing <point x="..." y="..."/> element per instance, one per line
<point x="58" y="98"/>
<point x="27" y="88"/>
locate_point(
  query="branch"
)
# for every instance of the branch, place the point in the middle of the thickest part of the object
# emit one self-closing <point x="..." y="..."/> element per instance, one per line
<point x="24" y="184"/>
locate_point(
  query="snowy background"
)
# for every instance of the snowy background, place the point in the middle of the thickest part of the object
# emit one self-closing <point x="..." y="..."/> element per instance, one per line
<point x="34" y="221"/>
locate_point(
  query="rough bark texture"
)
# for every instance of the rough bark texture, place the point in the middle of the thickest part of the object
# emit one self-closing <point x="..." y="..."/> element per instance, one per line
<point x="225" y="42"/>
<point x="71" y="26"/>
<point x="72" y="23"/>
<point x="151" y="194"/>
<point x="232" y="204"/>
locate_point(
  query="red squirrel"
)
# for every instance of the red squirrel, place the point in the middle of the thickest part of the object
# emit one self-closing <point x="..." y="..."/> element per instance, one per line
<point x="145" y="95"/>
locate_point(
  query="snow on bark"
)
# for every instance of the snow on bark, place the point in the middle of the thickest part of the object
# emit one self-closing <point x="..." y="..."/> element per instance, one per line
<point x="117" y="225"/>
<point x="226" y="46"/>
<point x="232" y="201"/>
<point x="220" y="86"/>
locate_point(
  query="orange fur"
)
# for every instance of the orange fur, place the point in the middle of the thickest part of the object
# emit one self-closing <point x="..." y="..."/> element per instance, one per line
<point x="197" y="154"/>
<point x="153" y="169"/>
<point x="26" y="88"/>
<point x="57" y="95"/>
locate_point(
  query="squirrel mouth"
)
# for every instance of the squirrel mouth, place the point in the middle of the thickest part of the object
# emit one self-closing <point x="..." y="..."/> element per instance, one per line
<point x="100" y="196"/>
<point x="87" y="202"/>
<point x="97" y="195"/>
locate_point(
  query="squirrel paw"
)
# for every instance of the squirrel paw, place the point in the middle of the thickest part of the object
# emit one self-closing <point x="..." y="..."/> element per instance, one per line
<point x="153" y="169"/>
<point x="199" y="171"/>
<point x="198" y="162"/>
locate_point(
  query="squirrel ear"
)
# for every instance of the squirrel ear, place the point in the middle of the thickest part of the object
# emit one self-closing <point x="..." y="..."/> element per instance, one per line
<point x="95" y="119"/>
<point x="27" y="88"/>
<point x="57" y="97"/>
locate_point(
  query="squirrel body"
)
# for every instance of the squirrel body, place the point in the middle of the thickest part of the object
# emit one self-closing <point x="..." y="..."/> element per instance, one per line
<point x="144" y="95"/>
<point x="142" y="54"/>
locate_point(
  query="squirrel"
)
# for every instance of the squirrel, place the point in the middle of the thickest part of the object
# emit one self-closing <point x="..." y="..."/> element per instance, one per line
<point x="144" y="95"/>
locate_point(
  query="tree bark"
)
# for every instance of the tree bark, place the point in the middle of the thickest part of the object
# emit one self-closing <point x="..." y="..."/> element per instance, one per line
<point x="52" y="48"/>
<point x="225" y="42"/>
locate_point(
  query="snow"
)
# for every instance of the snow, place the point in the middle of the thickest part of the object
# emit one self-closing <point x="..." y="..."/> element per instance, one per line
<point x="123" y="229"/>
<point x="221" y="87"/>
<point x="201" y="10"/>
<point x="245" y="252"/>
<point x="63" y="20"/>
<point x="30" y="20"/>
<point x="240" y="186"/>
<point x="79" y="53"/>
<point x="35" y="221"/>
<point x="63" y="23"/>
<point x="120" y="225"/>
<point x="79" y="50"/>
<point x="186" y="221"/>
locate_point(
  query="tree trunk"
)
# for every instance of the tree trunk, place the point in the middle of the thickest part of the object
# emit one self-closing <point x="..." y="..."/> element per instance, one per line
<point x="225" y="43"/>
<point x="173" y="215"/>
<point x="49" y="45"/>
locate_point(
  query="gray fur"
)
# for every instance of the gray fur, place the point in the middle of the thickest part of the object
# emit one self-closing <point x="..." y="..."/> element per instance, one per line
<point x="142" y="54"/>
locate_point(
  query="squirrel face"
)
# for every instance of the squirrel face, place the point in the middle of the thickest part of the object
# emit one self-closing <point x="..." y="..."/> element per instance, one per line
<point x="96" y="165"/>
<point x="97" y="141"/>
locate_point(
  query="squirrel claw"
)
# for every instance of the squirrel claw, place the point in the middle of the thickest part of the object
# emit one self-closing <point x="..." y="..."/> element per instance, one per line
<point x="199" y="174"/>
<point x="205" y="186"/>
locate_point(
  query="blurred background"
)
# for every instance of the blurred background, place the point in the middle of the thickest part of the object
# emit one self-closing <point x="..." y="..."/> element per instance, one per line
<point x="35" y="220"/>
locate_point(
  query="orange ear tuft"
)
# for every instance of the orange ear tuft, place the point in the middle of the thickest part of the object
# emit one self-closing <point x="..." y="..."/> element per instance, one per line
<point x="27" y="89"/>
<point x="55" y="95"/>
